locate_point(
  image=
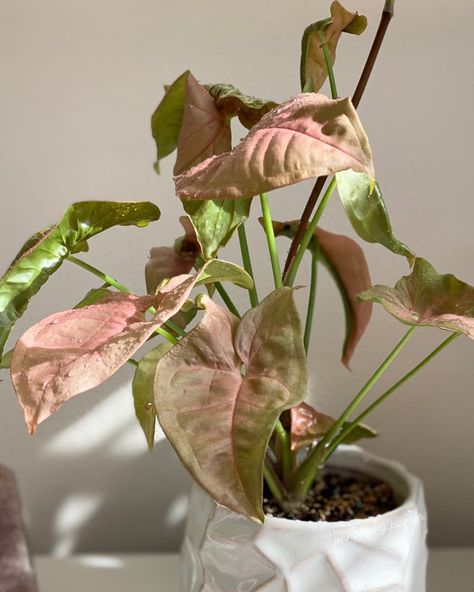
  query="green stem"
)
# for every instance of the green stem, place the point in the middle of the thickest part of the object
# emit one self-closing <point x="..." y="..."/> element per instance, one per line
<point x="309" y="233"/>
<point x="272" y="247"/>
<point x="329" y="68"/>
<point x="311" y="299"/>
<point x="244" y="248"/>
<point x="100" y="274"/>
<point x="273" y="482"/>
<point x="176" y="328"/>
<point x="346" y="431"/>
<point x="285" y="446"/>
<point x="227" y="300"/>
<point x="308" y="470"/>
<point x="120" y="287"/>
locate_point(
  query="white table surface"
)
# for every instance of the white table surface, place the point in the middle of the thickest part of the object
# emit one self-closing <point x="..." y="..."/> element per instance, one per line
<point x="450" y="570"/>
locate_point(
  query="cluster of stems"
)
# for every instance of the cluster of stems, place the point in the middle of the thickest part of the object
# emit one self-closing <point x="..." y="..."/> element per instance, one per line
<point x="291" y="477"/>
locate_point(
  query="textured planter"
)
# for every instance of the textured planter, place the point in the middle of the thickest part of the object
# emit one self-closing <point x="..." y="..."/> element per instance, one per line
<point x="225" y="552"/>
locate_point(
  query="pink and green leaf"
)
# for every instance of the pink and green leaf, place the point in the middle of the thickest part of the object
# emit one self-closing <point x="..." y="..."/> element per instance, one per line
<point x="167" y="119"/>
<point x="205" y="129"/>
<point x="219" y="408"/>
<point x="313" y="69"/>
<point x="307" y="136"/>
<point x="73" y="351"/>
<point x="427" y="298"/>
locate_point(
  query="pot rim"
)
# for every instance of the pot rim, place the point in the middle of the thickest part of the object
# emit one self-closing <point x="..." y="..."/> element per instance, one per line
<point x="407" y="487"/>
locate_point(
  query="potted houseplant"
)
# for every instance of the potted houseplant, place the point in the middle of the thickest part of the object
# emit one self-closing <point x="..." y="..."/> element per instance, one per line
<point x="283" y="500"/>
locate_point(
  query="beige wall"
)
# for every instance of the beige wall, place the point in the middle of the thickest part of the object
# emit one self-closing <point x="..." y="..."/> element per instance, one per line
<point x="79" y="81"/>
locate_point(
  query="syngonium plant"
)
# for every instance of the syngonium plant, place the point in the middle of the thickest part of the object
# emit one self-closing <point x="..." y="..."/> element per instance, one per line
<point x="227" y="388"/>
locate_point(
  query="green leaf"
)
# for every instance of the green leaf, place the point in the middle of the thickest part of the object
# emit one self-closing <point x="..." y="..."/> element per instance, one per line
<point x="93" y="296"/>
<point x="361" y="431"/>
<point x="6" y="360"/>
<point x="216" y="221"/>
<point x="167" y="119"/>
<point x="219" y="408"/>
<point x="233" y="103"/>
<point x="143" y="391"/>
<point x="313" y="70"/>
<point x="80" y="222"/>
<point x="366" y="210"/>
<point x="427" y="298"/>
<point x="224" y="271"/>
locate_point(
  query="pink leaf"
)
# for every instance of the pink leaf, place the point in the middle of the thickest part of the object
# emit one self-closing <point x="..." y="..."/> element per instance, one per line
<point x="220" y="391"/>
<point x="307" y="136"/>
<point x="73" y="351"/>
<point x="205" y="130"/>
<point x="347" y="262"/>
<point x="308" y="425"/>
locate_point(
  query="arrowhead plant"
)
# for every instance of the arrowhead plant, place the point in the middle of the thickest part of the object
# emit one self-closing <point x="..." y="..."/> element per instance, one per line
<point x="228" y="387"/>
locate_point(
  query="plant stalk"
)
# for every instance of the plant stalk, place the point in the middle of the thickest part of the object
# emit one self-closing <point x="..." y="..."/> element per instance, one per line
<point x="244" y="248"/>
<point x="346" y="431"/>
<point x="309" y="233"/>
<point x="311" y="299"/>
<point x="386" y="17"/>
<point x="285" y="446"/>
<point x="274" y="484"/>
<point x="270" y="234"/>
<point x="308" y="470"/>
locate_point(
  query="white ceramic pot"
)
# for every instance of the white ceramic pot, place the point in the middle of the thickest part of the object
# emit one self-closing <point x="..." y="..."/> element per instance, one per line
<point x="226" y="552"/>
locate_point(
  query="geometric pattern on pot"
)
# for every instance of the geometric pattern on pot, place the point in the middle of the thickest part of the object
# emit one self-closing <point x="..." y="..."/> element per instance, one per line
<point x="224" y="551"/>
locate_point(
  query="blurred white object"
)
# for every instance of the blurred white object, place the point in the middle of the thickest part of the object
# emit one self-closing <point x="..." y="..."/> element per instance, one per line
<point x="224" y="551"/>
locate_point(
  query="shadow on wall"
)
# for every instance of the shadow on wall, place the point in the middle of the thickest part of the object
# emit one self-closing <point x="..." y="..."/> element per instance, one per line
<point x="89" y="483"/>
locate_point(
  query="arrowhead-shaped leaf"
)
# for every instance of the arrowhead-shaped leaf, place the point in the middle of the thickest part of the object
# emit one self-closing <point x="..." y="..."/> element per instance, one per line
<point x="346" y="262"/>
<point x="46" y="252"/>
<point x="167" y="262"/>
<point x="73" y="351"/>
<point x="216" y="221"/>
<point x="232" y="102"/>
<point x="220" y="407"/>
<point x="307" y="136"/>
<point x="143" y="391"/>
<point x="313" y="70"/>
<point x="367" y="213"/>
<point x="205" y="129"/>
<point x="308" y="426"/>
<point x="427" y="298"/>
<point x="218" y="270"/>
<point x="167" y="119"/>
